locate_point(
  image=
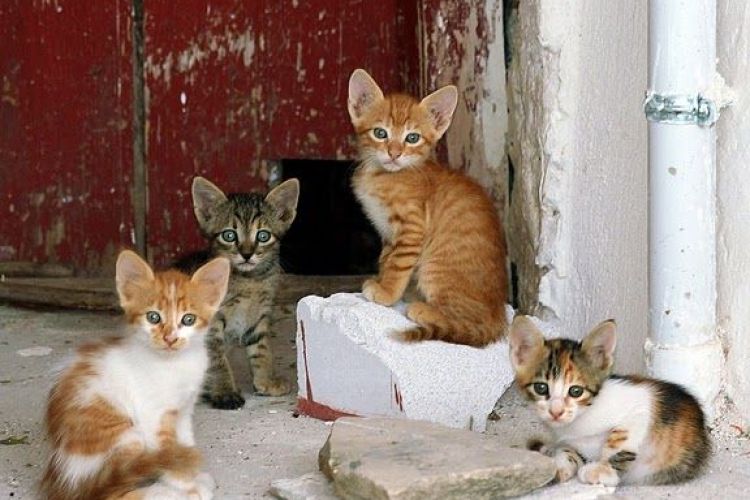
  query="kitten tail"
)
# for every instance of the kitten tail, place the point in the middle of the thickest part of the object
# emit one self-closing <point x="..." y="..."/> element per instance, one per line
<point x="123" y="473"/>
<point x="472" y="329"/>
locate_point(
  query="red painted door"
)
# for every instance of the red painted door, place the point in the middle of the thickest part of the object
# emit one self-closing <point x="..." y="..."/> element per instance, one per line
<point x="65" y="136"/>
<point x="235" y="84"/>
<point x="229" y="86"/>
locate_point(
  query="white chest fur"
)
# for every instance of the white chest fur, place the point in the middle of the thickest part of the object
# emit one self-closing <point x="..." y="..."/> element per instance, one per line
<point x="619" y="404"/>
<point x="144" y="385"/>
<point x="375" y="211"/>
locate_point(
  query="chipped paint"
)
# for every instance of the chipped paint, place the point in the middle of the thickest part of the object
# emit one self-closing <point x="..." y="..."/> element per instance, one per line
<point x="463" y="42"/>
<point x="259" y="86"/>
<point x="207" y="45"/>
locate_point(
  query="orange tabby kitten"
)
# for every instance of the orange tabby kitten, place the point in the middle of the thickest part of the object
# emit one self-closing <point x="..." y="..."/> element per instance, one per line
<point x="119" y="418"/>
<point x="435" y="223"/>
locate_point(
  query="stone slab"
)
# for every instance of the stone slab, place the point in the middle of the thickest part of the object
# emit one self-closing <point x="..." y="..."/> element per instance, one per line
<point x="382" y="458"/>
<point x="312" y="486"/>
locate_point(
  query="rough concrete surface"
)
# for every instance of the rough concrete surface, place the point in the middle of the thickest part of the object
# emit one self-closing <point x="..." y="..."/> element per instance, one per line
<point x="453" y="385"/>
<point x="388" y="458"/>
<point x="248" y="449"/>
<point x="578" y="144"/>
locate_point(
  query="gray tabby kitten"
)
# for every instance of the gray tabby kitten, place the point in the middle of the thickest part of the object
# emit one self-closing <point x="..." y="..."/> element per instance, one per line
<point x="246" y="228"/>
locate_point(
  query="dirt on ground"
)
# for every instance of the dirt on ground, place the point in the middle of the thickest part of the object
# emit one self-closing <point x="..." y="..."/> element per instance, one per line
<point x="245" y="450"/>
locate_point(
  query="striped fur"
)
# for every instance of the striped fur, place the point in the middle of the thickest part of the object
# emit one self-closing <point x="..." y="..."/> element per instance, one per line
<point x="119" y="418"/>
<point x="245" y="316"/>
<point x="627" y="428"/>
<point x="437" y="225"/>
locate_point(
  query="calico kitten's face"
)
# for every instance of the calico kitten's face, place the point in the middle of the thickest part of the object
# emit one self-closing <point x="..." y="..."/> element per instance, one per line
<point x="170" y="311"/>
<point x="397" y="131"/>
<point x="561" y="377"/>
<point x="245" y="228"/>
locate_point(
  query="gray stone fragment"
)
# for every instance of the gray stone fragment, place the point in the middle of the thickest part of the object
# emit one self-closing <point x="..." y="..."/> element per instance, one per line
<point x="381" y="458"/>
<point x="313" y="486"/>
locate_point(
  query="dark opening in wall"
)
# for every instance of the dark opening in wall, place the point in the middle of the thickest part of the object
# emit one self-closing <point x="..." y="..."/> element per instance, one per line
<point x="331" y="234"/>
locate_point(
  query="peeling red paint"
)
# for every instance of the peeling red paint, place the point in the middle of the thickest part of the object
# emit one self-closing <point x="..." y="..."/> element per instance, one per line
<point x="320" y="411"/>
<point x="398" y="398"/>
<point x="248" y="83"/>
<point x="456" y="38"/>
<point x="259" y="81"/>
<point x="308" y="383"/>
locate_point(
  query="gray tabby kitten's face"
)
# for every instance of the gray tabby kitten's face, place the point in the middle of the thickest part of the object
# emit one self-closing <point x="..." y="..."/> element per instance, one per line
<point x="246" y="228"/>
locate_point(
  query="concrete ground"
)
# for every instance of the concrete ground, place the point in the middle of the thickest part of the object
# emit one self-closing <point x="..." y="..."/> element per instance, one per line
<point x="247" y="449"/>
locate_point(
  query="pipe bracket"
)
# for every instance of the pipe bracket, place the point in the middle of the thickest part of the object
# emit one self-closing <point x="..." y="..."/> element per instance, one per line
<point x="681" y="109"/>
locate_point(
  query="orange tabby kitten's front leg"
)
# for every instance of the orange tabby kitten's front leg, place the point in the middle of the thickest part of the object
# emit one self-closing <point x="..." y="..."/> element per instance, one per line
<point x="384" y="253"/>
<point x="397" y="262"/>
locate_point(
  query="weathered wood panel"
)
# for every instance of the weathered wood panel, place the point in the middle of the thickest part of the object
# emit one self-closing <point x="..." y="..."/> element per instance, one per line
<point x="233" y="84"/>
<point x="65" y="140"/>
<point x="99" y="294"/>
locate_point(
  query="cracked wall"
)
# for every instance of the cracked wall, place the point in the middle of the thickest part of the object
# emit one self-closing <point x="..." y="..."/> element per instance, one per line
<point x="578" y="144"/>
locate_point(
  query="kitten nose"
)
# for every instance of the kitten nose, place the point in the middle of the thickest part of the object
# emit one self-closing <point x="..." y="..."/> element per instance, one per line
<point x="246" y="256"/>
<point x="170" y="339"/>
<point x="394" y="152"/>
<point x="556" y="413"/>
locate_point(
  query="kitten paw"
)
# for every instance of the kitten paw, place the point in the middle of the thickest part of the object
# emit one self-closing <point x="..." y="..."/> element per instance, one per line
<point x="374" y="292"/>
<point x="566" y="464"/>
<point x="598" y="473"/>
<point x="275" y="387"/>
<point x="225" y="401"/>
<point x="205" y="486"/>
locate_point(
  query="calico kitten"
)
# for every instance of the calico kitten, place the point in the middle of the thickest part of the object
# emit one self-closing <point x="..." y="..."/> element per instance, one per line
<point x="435" y="223"/>
<point x="608" y="428"/>
<point x="246" y="228"/>
<point x="119" y="418"/>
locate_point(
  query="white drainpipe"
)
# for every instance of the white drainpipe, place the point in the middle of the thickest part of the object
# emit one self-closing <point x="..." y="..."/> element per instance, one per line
<point x="683" y="344"/>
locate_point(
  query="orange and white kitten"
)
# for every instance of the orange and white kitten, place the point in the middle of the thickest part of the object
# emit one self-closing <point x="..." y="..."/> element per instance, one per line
<point x="435" y="223"/>
<point x="608" y="428"/>
<point x="119" y="418"/>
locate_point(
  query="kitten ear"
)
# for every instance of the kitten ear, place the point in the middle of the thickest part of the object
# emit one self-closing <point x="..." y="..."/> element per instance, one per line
<point x="599" y="345"/>
<point x="526" y="340"/>
<point x="363" y="93"/>
<point x="132" y="276"/>
<point x="211" y="281"/>
<point x="205" y="197"/>
<point x="284" y="199"/>
<point x="441" y="104"/>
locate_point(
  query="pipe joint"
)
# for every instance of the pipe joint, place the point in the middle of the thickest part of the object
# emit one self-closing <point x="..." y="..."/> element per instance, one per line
<point x="681" y="109"/>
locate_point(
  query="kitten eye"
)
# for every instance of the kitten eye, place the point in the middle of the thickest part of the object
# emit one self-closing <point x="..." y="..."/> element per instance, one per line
<point x="229" y="235"/>
<point x="541" y="388"/>
<point x="263" y="236"/>
<point x="575" y="391"/>
<point x="153" y="317"/>
<point x="188" y="319"/>
<point x="413" y="137"/>
<point x="380" y="133"/>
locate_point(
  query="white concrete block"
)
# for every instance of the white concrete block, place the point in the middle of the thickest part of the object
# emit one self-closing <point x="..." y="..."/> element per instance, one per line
<point x="349" y="363"/>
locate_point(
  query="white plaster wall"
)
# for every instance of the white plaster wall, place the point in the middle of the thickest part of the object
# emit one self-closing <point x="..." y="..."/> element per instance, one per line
<point x="579" y="147"/>
<point x="733" y="192"/>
